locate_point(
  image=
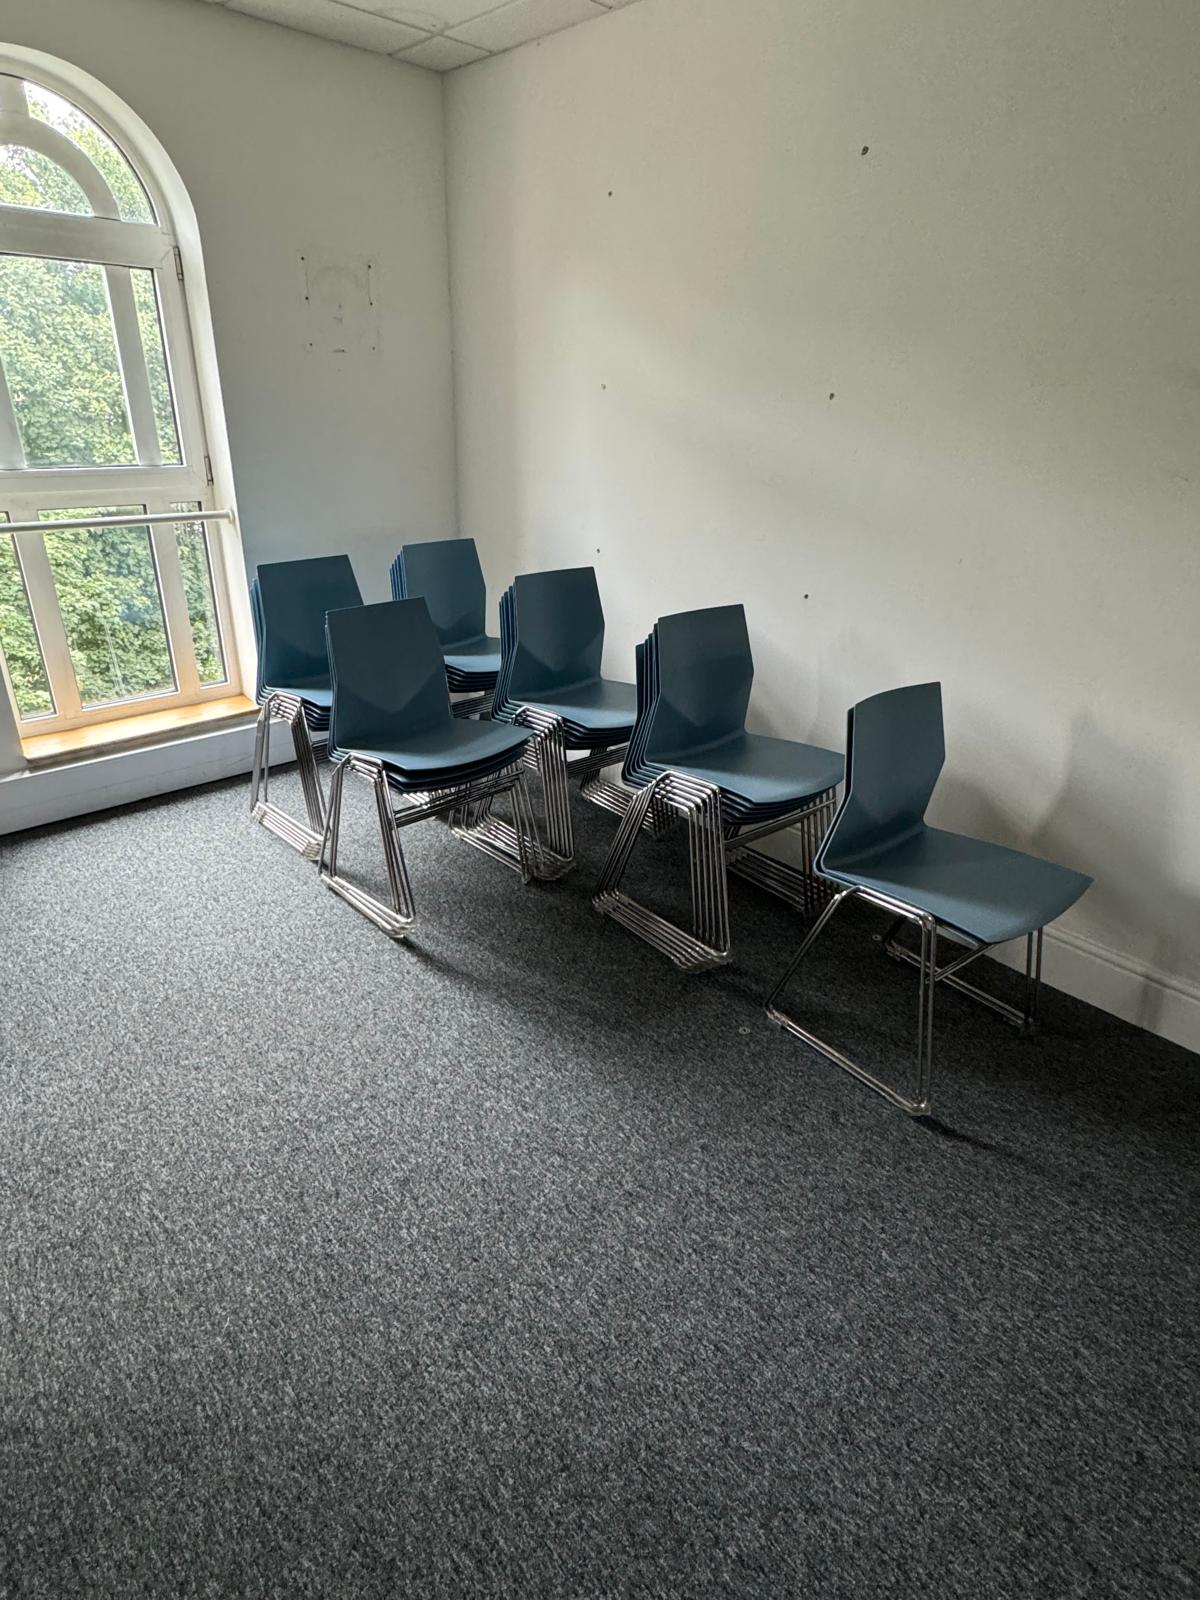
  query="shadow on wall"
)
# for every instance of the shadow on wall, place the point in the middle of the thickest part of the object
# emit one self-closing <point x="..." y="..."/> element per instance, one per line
<point x="1111" y="818"/>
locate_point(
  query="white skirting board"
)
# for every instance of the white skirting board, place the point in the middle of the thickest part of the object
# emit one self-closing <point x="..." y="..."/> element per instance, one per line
<point x="1132" y="990"/>
<point x="51" y="794"/>
<point x="1136" y="992"/>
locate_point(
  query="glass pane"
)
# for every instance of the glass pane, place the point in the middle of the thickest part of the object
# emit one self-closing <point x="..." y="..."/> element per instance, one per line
<point x="133" y="204"/>
<point x="60" y="358"/>
<point x="195" y="562"/>
<point x="28" y="178"/>
<point x="150" y="323"/>
<point x="111" y="607"/>
<point x="18" y="637"/>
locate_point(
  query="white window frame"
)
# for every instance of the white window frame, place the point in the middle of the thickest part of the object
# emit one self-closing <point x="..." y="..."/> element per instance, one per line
<point x="28" y="494"/>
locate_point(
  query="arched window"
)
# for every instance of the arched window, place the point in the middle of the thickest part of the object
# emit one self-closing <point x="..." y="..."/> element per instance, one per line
<point x="100" y="425"/>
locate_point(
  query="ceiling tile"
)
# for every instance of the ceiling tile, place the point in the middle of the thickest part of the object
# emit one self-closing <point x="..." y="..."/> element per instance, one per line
<point x="522" y="20"/>
<point x="330" y="20"/>
<point x="443" y="54"/>
<point x="433" y="16"/>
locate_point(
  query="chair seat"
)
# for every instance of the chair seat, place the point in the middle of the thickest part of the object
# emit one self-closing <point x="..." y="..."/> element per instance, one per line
<point x="765" y="771"/>
<point x="474" y="655"/>
<point x="449" y="749"/>
<point x="601" y="706"/>
<point x="317" y="693"/>
<point x="985" y="890"/>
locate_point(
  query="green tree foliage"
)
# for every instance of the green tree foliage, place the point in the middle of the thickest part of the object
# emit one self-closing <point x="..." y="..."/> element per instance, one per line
<point x="109" y="602"/>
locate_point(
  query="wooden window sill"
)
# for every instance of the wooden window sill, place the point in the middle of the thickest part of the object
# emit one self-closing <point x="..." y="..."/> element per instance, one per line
<point x="102" y="738"/>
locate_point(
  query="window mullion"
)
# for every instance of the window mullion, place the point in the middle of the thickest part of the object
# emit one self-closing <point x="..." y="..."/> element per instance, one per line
<point x="177" y="341"/>
<point x="132" y="357"/>
<point x="47" y="619"/>
<point x="174" y="599"/>
<point x="219" y="559"/>
<point x="12" y="451"/>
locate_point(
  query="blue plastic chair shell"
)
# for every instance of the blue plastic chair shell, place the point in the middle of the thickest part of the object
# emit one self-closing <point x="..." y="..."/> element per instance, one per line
<point x="447" y="575"/>
<point x="391" y="703"/>
<point x="880" y="840"/>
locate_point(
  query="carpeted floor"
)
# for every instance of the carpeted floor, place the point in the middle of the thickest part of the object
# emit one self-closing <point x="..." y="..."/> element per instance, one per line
<point x="513" y="1262"/>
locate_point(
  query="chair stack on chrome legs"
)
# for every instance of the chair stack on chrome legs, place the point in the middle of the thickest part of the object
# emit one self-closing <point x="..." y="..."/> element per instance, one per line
<point x="288" y="602"/>
<point x="392" y="726"/>
<point x="948" y="886"/>
<point x="446" y="574"/>
<point x="691" y="755"/>
<point x="552" y="640"/>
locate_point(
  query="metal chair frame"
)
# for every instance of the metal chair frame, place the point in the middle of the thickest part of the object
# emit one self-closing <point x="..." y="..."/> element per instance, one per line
<point x="397" y="919"/>
<point x="289" y="708"/>
<point x="926" y="962"/>
<point x="715" y="848"/>
<point x="545" y="754"/>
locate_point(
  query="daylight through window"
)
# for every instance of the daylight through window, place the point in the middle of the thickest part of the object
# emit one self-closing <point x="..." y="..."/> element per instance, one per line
<point x="100" y="426"/>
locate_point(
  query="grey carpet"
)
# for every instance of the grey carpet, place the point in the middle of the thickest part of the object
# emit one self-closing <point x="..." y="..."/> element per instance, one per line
<point x="515" y="1263"/>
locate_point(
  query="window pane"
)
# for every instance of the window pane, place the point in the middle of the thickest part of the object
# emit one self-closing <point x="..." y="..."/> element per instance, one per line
<point x="133" y="204"/>
<point x="111" y="607"/>
<point x="28" y="178"/>
<point x="18" y="637"/>
<point x="195" y="561"/>
<point x="60" y="358"/>
<point x="150" y="324"/>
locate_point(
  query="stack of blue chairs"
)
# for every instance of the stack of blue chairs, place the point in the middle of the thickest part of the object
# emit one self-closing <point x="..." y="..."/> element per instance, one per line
<point x="447" y="575"/>
<point x="391" y="723"/>
<point x="691" y="753"/>
<point x="288" y="602"/>
<point x="552" y="642"/>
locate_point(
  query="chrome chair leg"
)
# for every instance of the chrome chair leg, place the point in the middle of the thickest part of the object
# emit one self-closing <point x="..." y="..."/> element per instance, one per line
<point x="707" y="943"/>
<point x="799" y="885"/>
<point x="514" y="844"/>
<point x="397" y="917"/>
<point x="601" y="791"/>
<point x="927" y="962"/>
<point x="545" y="754"/>
<point x="713" y="850"/>
<point x="1024" y="1017"/>
<point x="925" y="959"/>
<point x="304" y="838"/>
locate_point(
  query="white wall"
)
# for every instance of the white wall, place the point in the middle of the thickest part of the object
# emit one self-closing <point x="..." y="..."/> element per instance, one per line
<point x="930" y="411"/>
<point x="288" y="144"/>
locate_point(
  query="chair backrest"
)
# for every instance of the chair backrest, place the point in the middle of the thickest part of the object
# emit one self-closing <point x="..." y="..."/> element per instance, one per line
<point x="705" y="670"/>
<point x="292" y="599"/>
<point x="389" y="679"/>
<point x="895" y="750"/>
<point x="446" y="574"/>
<point x="558" y="632"/>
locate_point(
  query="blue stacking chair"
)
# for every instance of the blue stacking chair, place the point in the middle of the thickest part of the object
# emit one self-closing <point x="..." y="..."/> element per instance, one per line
<point x="552" y="641"/>
<point x="446" y="574"/>
<point x="691" y="755"/>
<point x="880" y="849"/>
<point x="391" y="724"/>
<point x="288" y="602"/>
